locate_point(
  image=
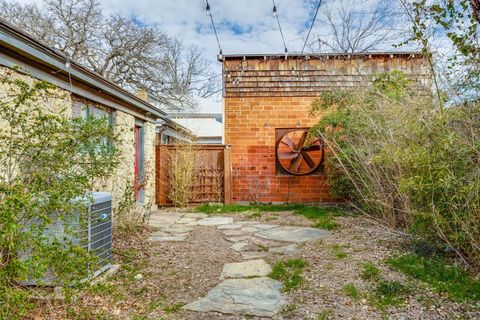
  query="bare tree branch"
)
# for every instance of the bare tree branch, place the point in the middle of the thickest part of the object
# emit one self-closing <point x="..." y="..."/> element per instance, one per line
<point x="120" y="48"/>
<point x="352" y="26"/>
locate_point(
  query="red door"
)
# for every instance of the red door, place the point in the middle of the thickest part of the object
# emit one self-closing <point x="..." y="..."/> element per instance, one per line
<point x="137" y="162"/>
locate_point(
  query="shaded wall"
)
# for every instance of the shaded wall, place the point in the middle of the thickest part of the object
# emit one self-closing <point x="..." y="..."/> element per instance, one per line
<point x="61" y="101"/>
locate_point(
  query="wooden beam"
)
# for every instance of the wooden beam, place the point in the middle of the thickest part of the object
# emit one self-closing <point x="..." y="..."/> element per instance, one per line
<point x="227" y="175"/>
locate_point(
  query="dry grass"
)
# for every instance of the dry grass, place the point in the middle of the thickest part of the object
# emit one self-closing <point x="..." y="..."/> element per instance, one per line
<point x="177" y="273"/>
<point x="183" y="163"/>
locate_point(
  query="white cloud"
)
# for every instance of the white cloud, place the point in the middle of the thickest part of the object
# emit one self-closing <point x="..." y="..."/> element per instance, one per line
<point x="244" y="26"/>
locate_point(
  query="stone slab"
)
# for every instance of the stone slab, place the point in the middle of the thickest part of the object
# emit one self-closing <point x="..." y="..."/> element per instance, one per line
<point x="159" y="220"/>
<point x="236" y="238"/>
<point x="167" y="238"/>
<point x="263" y="242"/>
<point x="177" y="229"/>
<point x="245" y="269"/>
<point x="290" y="249"/>
<point x="246" y="255"/>
<point x="198" y="215"/>
<point x="293" y="234"/>
<point x="159" y="234"/>
<point x="234" y="232"/>
<point x="257" y="296"/>
<point x="264" y="226"/>
<point x="214" y="221"/>
<point x="248" y="229"/>
<point x="245" y="223"/>
<point x="229" y="226"/>
<point x="239" y="246"/>
<point x="186" y="220"/>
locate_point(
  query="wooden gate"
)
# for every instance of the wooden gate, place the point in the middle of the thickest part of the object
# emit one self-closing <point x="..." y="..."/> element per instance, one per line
<point x="212" y="178"/>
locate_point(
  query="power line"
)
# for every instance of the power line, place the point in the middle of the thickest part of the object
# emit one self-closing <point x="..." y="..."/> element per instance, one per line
<point x="279" y="26"/>
<point x="209" y="13"/>
<point x="311" y="26"/>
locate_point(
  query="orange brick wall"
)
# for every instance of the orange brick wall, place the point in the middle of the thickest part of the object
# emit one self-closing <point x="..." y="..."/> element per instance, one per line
<point x="250" y="130"/>
<point x="262" y="93"/>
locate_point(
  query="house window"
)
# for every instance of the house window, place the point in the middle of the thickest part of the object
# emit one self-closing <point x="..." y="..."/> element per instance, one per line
<point x="82" y="110"/>
<point x="164" y="139"/>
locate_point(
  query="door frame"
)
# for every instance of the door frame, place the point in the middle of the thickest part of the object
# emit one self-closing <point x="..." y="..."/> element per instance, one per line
<point x="139" y="162"/>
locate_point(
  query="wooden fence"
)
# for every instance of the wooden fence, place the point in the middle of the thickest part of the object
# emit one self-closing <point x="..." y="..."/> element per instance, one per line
<point x="212" y="181"/>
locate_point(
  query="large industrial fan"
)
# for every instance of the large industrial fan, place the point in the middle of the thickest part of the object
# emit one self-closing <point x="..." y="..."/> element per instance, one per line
<point x="298" y="154"/>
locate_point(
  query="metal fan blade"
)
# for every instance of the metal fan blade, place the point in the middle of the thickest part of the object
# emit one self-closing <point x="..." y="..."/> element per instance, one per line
<point x="313" y="148"/>
<point x="296" y="163"/>
<point x="288" y="142"/>
<point x="287" y="155"/>
<point x="308" y="160"/>
<point x="302" y="140"/>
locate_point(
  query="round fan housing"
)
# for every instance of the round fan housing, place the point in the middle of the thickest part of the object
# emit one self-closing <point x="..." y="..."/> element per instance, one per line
<point x="296" y="154"/>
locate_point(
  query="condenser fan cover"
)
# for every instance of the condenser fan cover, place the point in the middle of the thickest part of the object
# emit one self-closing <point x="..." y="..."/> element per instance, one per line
<point x="298" y="154"/>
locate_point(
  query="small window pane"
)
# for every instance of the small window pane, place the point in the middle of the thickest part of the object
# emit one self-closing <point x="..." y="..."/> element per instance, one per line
<point x="98" y="113"/>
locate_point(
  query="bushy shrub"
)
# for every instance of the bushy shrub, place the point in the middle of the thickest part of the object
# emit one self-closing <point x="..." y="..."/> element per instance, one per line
<point x="46" y="160"/>
<point x="183" y="163"/>
<point x="398" y="157"/>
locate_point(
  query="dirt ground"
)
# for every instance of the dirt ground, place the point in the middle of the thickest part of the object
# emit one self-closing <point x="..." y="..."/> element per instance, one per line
<point x="157" y="278"/>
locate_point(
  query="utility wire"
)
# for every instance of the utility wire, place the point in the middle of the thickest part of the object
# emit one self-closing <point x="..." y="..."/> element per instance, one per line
<point x="275" y="14"/>
<point x="209" y="13"/>
<point x="311" y="26"/>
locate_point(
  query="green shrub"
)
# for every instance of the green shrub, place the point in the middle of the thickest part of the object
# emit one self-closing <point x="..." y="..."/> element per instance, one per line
<point x="397" y="156"/>
<point x="46" y="160"/>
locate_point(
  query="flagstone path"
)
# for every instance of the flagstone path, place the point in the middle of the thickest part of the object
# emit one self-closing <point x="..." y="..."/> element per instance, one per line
<point x="245" y="287"/>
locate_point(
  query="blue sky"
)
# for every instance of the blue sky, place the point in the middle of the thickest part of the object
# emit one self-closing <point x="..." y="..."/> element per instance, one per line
<point x="244" y="26"/>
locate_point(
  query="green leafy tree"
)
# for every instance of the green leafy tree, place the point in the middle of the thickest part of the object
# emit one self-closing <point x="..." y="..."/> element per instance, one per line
<point x="458" y="21"/>
<point x="47" y="159"/>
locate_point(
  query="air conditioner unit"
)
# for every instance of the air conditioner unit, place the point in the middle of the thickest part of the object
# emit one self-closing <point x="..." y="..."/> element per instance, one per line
<point x="99" y="230"/>
<point x="94" y="233"/>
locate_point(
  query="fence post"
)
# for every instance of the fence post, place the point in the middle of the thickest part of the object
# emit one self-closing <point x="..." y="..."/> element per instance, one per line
<point x="227" y="175"/>
<point x="158" y="182"/>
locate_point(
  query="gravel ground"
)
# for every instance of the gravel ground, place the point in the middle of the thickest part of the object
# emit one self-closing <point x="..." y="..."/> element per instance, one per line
<point x="176" y="273"/>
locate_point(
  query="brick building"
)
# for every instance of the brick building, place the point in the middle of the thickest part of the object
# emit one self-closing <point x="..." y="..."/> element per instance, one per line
<point x="266" y="111"/>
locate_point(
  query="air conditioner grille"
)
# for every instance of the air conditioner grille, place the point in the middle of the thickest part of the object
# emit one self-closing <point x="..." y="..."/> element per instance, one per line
<point x="101" y="232"/>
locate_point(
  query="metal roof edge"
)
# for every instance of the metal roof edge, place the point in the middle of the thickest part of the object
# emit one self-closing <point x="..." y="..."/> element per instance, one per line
<point x="317" y="55"/>
<point x="194" y="115"/>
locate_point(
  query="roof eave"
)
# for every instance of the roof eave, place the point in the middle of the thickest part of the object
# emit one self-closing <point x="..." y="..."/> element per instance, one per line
<point x="27" y="47"/>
